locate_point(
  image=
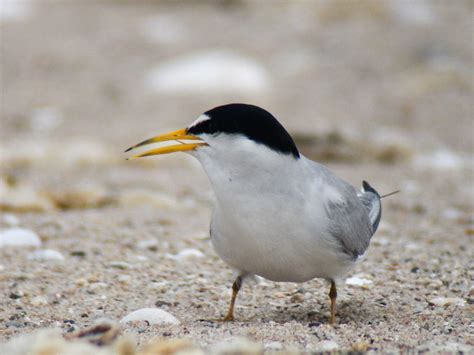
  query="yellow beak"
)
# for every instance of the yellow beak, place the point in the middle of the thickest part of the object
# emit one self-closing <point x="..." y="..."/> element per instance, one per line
<point x="178" y="135"/>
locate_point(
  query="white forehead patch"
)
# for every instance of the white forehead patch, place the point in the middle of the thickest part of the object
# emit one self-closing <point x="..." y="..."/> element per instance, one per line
<point x="200" y="119"/>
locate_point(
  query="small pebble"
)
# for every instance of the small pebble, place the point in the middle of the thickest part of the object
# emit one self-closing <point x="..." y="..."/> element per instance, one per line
<point x="19" y="237"/>
<point x="140" y="258"/>
<point x="298" y="298"/>
<point x="381" y="241"/>
<point x="125" y="279"/>
<point x="15" y="296"/>
<point x="209" y="71"/>
<point x="81" y="197"/>
<point x="98" y="285"/>
<point x="447" y="301"/>
<point x="358" y="281"/>
<point x="10" y="219"/>
<point x="46" y="254"/>
<point x="274" y="345"/>
<point x="122" y="265"/>
<point x="327" y="345"/>
<point x="22" y="276"/>
<point x="14" y="324"/>
<point x="150" y="244"/>
<point x="452" y="213"/>
<point x="412" y="246"/>
<point x="188" y="254"/>
<point x="78" y="253"/>
<point x="152" y="316"/>
<point x="436" y="284"/>
<point x="45" y="119"/>
<point x="360" y="346"/>
<point x="81" y="282"/>
<point x="39" y="301"/>
<point x="23" y="198"/>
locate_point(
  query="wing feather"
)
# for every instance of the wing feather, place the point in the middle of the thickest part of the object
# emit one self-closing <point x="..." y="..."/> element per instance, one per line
<point x="349" y="222"/>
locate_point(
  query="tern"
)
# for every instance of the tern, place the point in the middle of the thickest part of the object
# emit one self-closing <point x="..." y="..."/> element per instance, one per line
<point x="276" y="214"/>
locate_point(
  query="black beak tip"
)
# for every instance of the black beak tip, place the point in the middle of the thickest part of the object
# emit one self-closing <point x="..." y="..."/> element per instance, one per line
<point x="129" y="149"/>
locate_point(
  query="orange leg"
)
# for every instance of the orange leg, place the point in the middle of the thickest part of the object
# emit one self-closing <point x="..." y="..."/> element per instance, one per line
<point x="235" y="290"/>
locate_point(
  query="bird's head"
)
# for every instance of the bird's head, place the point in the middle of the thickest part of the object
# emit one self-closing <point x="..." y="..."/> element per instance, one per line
<point x="231" y="139"/>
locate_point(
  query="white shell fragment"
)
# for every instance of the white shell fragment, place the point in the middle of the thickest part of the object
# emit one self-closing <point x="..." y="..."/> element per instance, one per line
<point x="147" y="244"/>
<point x="39" y="301"/>
<point x="358" y="281"/>
<point x="23" y="198"/>
<point x="442" y="159"/>
<point x="447" y="301"/>
<point x="151" y="315"/>
<point x="413" y="12"/>
<point x="46" y="254"/>
<point x="72" y="152"/>
<point x="45" y="119"/>
<point x="188" y="254"/>
<point x="10" y="220"/>
<point x="165" y="29"/>
<point x="19" y="237"/>
<point x="207" y="72"/>
<point x="327" y="345"/>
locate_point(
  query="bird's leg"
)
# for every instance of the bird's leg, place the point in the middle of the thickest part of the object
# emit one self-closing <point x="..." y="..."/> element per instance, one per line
<point x="333" y="296"/>
<point x="235" y="289"/>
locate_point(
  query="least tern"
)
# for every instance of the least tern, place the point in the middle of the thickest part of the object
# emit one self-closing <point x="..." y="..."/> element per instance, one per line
<point x="277" y="214"/>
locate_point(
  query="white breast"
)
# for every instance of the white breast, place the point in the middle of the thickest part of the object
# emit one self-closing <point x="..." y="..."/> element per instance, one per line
<point x="277" y="244"/>
<point x="268" y="220"/>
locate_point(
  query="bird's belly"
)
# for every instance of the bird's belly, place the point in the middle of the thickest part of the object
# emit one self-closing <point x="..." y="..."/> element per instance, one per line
<point x="279" y="257"/>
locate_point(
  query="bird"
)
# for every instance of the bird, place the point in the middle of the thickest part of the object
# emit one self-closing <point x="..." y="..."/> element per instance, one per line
<point x="277" y="214"/>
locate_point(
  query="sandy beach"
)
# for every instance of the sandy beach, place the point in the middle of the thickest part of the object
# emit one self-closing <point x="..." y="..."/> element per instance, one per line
<point x="379" y="91"/>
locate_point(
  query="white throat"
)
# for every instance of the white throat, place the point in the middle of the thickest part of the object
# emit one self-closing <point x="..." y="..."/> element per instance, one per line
<point x="238" y="168"/>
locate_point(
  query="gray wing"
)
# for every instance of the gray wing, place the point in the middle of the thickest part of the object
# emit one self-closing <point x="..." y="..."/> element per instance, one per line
<point x="370" y="198"/>
<point x="349" y="221"/>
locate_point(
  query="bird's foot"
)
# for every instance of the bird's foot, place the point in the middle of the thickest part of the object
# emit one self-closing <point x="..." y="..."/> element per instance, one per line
<point x="228" y="318"/>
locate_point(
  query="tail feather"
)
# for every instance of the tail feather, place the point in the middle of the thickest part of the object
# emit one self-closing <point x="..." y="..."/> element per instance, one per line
<point x="370" y="199"/>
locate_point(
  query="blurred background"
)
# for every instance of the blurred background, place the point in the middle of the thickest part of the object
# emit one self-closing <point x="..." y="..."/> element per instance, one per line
<point x="354" y="81"/>
<point x="377" y="90"/>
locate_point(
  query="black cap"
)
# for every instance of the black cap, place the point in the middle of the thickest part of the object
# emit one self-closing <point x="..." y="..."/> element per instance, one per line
<point x="251" y="121"/>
